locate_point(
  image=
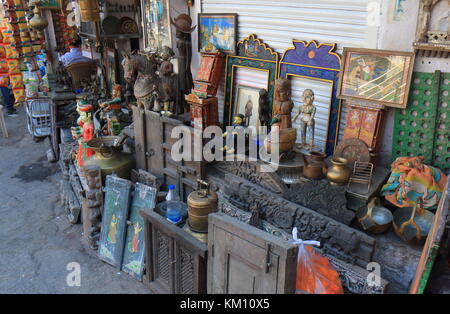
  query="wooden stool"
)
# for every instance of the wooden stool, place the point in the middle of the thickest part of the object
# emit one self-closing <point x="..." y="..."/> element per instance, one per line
<point x="3" y="123"/>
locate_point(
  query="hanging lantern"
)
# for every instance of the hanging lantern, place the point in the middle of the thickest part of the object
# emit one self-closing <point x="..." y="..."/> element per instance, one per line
<point x="89" y="10"/>
<point x="37" y="21"/>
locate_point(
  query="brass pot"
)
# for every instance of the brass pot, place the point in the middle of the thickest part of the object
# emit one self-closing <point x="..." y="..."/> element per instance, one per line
<point x="37" y="21"/>
<point x="201" y="203"/>
<point x="412" y="224"/>
<point x="338" y="174"/>
<point x="315" y="166"/>
<point x="374" y="218"/>
<point x="109" y="157"/>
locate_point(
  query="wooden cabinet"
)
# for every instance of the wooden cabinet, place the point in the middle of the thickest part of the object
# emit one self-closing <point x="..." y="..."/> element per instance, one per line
<point x="245" y="260"/>
<point x="204" y="112"/>
<point x="176" y="261"/>
<point x="209" y="74"/>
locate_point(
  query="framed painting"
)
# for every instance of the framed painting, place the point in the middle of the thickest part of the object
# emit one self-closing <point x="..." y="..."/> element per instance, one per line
<point x="317" y="62"/>
<point x="251" y="53"/>
<point x="112" y="67"/>
<point x="114" y="220"/>
<point x="156" y="22"/>
<point x="219" y="30"/>
<point x="247" y="104"/>
<point x="377" y="76"/>
<point x="133" y="257"/>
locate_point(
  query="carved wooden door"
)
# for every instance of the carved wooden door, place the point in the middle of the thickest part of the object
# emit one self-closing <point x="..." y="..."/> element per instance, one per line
<point x="246" y="260"/>
<point x="176" y="261"/>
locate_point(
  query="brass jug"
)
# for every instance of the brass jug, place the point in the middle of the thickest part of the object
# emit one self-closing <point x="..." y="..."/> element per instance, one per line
<point x="109" y="157"/>
<point x="338" y="174"/>
<point x="201" y="203"/>
<point x="315" y="166"/>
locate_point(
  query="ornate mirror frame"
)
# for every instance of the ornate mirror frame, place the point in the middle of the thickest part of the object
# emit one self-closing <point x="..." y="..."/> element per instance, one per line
<point x="317" y="62"/>
<point x="252" y="53"/>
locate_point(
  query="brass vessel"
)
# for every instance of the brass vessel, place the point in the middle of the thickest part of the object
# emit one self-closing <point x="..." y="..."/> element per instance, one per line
<point x="315" y="166"/>
<point x="109" y="158"/>
<point x="412" y="224"/>
<point x="37" y="21"/>
<point x="338" y="174"/>
<point x="201" y="203"/>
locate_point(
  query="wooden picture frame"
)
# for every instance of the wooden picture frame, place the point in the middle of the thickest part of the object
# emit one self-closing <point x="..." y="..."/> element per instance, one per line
<point x="320" y="62"/>
<point x="369" y="75"/>
<point x="157" y="29"/>
<point x="253" y="54"/>
<point x="241" y="100"/>
<point x="229" y="24"/>
<point x="111" y="67"/>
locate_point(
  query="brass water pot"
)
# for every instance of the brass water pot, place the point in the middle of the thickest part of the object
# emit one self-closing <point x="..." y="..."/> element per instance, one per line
<point x="338" y="174"/>
<point x="109" y="158"/>
<point x="201" y="203"/>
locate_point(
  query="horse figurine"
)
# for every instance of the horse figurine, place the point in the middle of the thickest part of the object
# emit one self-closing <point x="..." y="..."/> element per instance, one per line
<point x="140" y="70"/>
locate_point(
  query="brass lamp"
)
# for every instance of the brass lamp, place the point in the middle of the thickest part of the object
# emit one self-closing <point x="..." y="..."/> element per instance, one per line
<point x="37" y="21"/>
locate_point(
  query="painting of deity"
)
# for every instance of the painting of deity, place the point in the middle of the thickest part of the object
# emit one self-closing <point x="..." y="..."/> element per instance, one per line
<point x="218" y="30"/>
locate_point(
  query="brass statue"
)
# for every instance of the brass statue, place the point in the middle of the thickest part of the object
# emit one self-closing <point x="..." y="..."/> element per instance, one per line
<point x="307" y="114"/>
<point x="238" y="128"/>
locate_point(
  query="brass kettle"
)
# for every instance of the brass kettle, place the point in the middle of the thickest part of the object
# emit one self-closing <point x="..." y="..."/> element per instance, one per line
<point x="315" y="166"/>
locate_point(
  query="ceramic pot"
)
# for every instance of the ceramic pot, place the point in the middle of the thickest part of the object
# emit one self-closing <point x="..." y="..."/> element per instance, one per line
<point x="315" y="166"/>
<point x="338" y="174"/>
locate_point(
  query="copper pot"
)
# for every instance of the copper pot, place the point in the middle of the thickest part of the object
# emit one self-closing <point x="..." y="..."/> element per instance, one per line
<point x="315" y="166"/>
<point x="201" y="203"/>
<point x="338" y="174"/>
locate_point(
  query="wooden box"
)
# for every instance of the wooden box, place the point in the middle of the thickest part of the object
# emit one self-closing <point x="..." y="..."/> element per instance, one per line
<point x="176" y="261"/>
<point x="209" y="74"/>
<point x="245" y="260"/>
<point x="204" y="112"/>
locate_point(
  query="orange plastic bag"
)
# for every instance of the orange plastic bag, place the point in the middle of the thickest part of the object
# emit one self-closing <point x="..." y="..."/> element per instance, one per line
<point x="315" y="274"/>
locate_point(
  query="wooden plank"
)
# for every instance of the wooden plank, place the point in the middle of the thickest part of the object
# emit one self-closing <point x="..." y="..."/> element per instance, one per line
<point x="154" y="152"/>
<point x="139" y="137"/>
<point x="432" y="244"/>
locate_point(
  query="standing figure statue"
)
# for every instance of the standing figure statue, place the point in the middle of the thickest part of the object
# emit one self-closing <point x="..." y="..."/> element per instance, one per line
<point x="84" y="132"/>
<point x="248" y="110"/>
<point x="307" y="113"/>
<point x="263" y="110"/>
<point x="282" y="105"/>
<point x="168" y="80"/>
<point x="183" y="25"/>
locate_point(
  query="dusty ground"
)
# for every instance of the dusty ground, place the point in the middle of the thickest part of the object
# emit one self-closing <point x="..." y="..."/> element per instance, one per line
<point x="36" y="239"/>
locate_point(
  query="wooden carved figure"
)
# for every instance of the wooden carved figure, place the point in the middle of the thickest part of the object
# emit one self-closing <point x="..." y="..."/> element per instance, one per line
<point x="183" y="25"/>
<point x="264" y="110"/>
<point x="307" y="113"/>
<point x="282" y="105"/>
<point x="168" y="79"/>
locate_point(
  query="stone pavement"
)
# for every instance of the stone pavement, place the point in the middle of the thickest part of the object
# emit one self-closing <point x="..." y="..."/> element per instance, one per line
<point x="36" y="240"/>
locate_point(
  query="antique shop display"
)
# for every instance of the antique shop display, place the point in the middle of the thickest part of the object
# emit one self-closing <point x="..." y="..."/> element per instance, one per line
<point x="114" y="220"/>
<point x="183" y="26"/>
<point x="412" y="224"/>
<point x="374" y="218"/>
<point x="156" y="21"/>
<point x="316" y="62"/>
<point x="362" y="174"/>
<point x="201" y="203"/>
<point x="175" y="260"/>
<point x="84" y="132"/>
<point x="112" y="68"/>
<point x="423" y="127"/>
<point x="338" y="173"/>
<point x="247" y="103"/>
<point x="315" y="165"/>
<point x="412" y="180"/>
<point x="219" y="30"/>
<point x="92" y="205"/>
<point x="203" y="112"/>
<point x="209" y="74"/>
<point x="109" y="157"/>
<point x="432" y="40"/>
<point x="243" y="259"/>
<point x="144" y="197"/>
<point x="376" y="76"/>
<point x="307" y="113"/>
<point x="251" y="53"/>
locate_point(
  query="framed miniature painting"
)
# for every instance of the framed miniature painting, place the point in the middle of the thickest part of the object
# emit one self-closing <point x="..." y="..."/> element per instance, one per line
<point x="247" y="104"/>
<point x="156" y="21"/>
<point x="144" y="197"/>
<point x="376" y="76"/>
<point x="218" y="30"/>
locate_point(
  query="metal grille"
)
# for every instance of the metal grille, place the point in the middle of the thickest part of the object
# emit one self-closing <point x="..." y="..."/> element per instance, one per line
<point x="39" y="117"/>
<point x="442" y="136"/>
